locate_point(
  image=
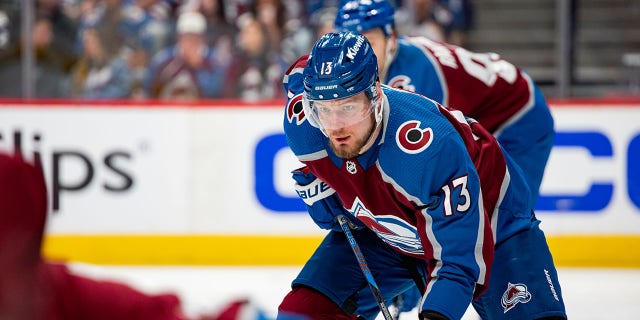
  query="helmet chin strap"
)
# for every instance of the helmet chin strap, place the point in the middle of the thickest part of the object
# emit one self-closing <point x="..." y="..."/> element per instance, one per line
<point x="376" y="129"/>
<point x="372" y="139"/>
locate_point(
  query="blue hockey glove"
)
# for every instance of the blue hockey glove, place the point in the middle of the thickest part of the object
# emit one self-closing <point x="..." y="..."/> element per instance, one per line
<point x="322" y="201"/>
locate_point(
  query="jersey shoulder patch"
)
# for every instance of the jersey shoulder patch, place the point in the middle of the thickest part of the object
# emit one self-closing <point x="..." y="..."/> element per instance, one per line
<point x="292" y="80"/>
<point x="415" y="123"/>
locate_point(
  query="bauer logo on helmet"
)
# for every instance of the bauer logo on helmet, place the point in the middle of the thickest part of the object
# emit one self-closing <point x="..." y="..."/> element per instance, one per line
<point x="331" y="87"/>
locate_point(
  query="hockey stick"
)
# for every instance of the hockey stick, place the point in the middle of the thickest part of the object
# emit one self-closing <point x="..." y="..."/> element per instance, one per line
<point x="346" y="226"/>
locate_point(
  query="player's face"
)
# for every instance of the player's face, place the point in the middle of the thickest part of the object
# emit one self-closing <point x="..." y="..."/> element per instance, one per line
<point x="378" y="42"/>
<point x="347" y="122"/>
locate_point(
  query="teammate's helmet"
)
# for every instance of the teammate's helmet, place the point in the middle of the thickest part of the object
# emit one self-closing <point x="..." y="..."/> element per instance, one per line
<point x="340" y="65"/>
<point x="363" y="15"/>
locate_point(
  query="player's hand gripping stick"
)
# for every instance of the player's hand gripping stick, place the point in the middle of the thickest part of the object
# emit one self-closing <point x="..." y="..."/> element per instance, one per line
<point x="346" y="226"/>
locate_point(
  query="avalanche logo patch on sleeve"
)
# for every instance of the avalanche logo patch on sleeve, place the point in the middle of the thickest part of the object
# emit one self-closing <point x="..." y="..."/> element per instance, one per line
<point x="295" y="110"/>
<point x="412" y="139"/>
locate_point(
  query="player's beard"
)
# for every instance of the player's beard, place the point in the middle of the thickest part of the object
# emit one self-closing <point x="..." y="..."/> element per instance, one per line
<point x="351" y="150"/>
<point x="347" y="152"/>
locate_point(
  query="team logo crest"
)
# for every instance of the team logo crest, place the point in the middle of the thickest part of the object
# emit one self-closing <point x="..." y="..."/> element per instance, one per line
<point x="412" y="139"/>
<point x="402" y="82"/>
<point x="295" y="110"/>
<point x="391" y="229"/>
<point x="515" y="293"/>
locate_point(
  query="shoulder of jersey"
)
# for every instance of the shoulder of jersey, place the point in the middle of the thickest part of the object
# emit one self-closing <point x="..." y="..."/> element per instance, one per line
<point x="302" y="137"/>
<point x="414" y="124"/>
<point x="415" y="134"/>
<point x="410" y="47"/>
<point x="292" y="79"/>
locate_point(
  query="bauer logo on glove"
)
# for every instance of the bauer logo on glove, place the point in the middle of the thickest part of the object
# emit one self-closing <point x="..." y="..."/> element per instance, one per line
<point x="322" y="201"/>
<point x="316" y="190"/>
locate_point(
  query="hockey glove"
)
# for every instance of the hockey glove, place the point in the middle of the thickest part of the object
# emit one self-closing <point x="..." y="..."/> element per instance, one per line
<point x="322" y="201"/>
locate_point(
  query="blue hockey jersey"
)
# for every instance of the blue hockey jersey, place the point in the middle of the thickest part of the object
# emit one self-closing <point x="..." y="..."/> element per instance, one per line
<point x="485" y="87"/>
<point x="433" y="186"/>
<point x="481" y="85"/>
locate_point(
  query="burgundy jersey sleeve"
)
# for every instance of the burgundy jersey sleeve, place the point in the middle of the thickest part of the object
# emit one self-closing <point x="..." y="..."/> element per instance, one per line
<point x="481" y="85"/>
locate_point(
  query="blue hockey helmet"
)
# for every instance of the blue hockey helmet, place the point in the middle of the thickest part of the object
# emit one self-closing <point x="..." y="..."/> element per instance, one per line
<point x="363" y="15"/>
<point x="341" y="65"/>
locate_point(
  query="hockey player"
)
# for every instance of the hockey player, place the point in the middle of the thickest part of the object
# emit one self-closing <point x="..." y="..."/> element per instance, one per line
<point x="37" y="289"/>
<point x="434" y="198"/>
<point x="32" y="288"/>
<point x="483" y="86"/>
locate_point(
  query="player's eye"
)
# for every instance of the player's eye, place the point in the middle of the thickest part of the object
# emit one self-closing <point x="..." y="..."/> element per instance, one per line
<point x="324" y="110"/>
<point x="348" y="108"/>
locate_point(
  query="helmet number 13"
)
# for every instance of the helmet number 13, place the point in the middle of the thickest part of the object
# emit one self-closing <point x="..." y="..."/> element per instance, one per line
<point x="327" y="68"/>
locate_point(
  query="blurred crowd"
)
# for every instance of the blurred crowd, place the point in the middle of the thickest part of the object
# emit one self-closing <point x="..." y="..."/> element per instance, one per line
<point x="183" y="49"/>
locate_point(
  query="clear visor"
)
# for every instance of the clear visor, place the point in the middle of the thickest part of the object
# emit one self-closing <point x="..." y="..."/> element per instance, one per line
<point x="341" y="113"/>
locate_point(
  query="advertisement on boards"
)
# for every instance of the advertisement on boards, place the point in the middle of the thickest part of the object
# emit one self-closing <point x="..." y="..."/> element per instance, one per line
<point x="107" y="170"/>
<point x="223" y="170"/>
<point x="227" y="169"/>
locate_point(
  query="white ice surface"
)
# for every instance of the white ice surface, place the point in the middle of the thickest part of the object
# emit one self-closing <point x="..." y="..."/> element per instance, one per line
<point x="588" y="293"/>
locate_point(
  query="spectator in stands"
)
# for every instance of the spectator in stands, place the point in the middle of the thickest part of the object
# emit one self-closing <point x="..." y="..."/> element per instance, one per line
<point x="460" y="20"/>
<point x="426" y="24"/>
<point x="63" y="28"/>
<point x="220" y="33"/>
<point x="442" y="20"/>
<point x="190" y="69"/>
<point x="322" y="21"/>
<point x="139" y="29"/>
<point x="313" y="6"/>
<point x="285" y="31"/>
<point x="272" y="15"/>
<point x="52" y="37"/>
<point x="100" y="73"/>
<point x="257" y="70"/>
<point x="297" y="33"/>
<point x="52" y="65"/>
<point x="137" y="24"/>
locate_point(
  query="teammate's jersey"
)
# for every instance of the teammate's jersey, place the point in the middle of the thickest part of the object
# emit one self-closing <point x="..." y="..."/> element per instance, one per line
<point x="418" y="188"/>
<point x="481" y="85"/>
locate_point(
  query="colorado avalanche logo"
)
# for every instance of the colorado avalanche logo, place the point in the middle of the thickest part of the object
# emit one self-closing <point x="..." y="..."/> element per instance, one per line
<point x="514" y="294"/>
<point x="294" y="110"/>
<point x="402" y="82"/>
<point x="391" y="229"/>
<point x="411" y="139"/>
